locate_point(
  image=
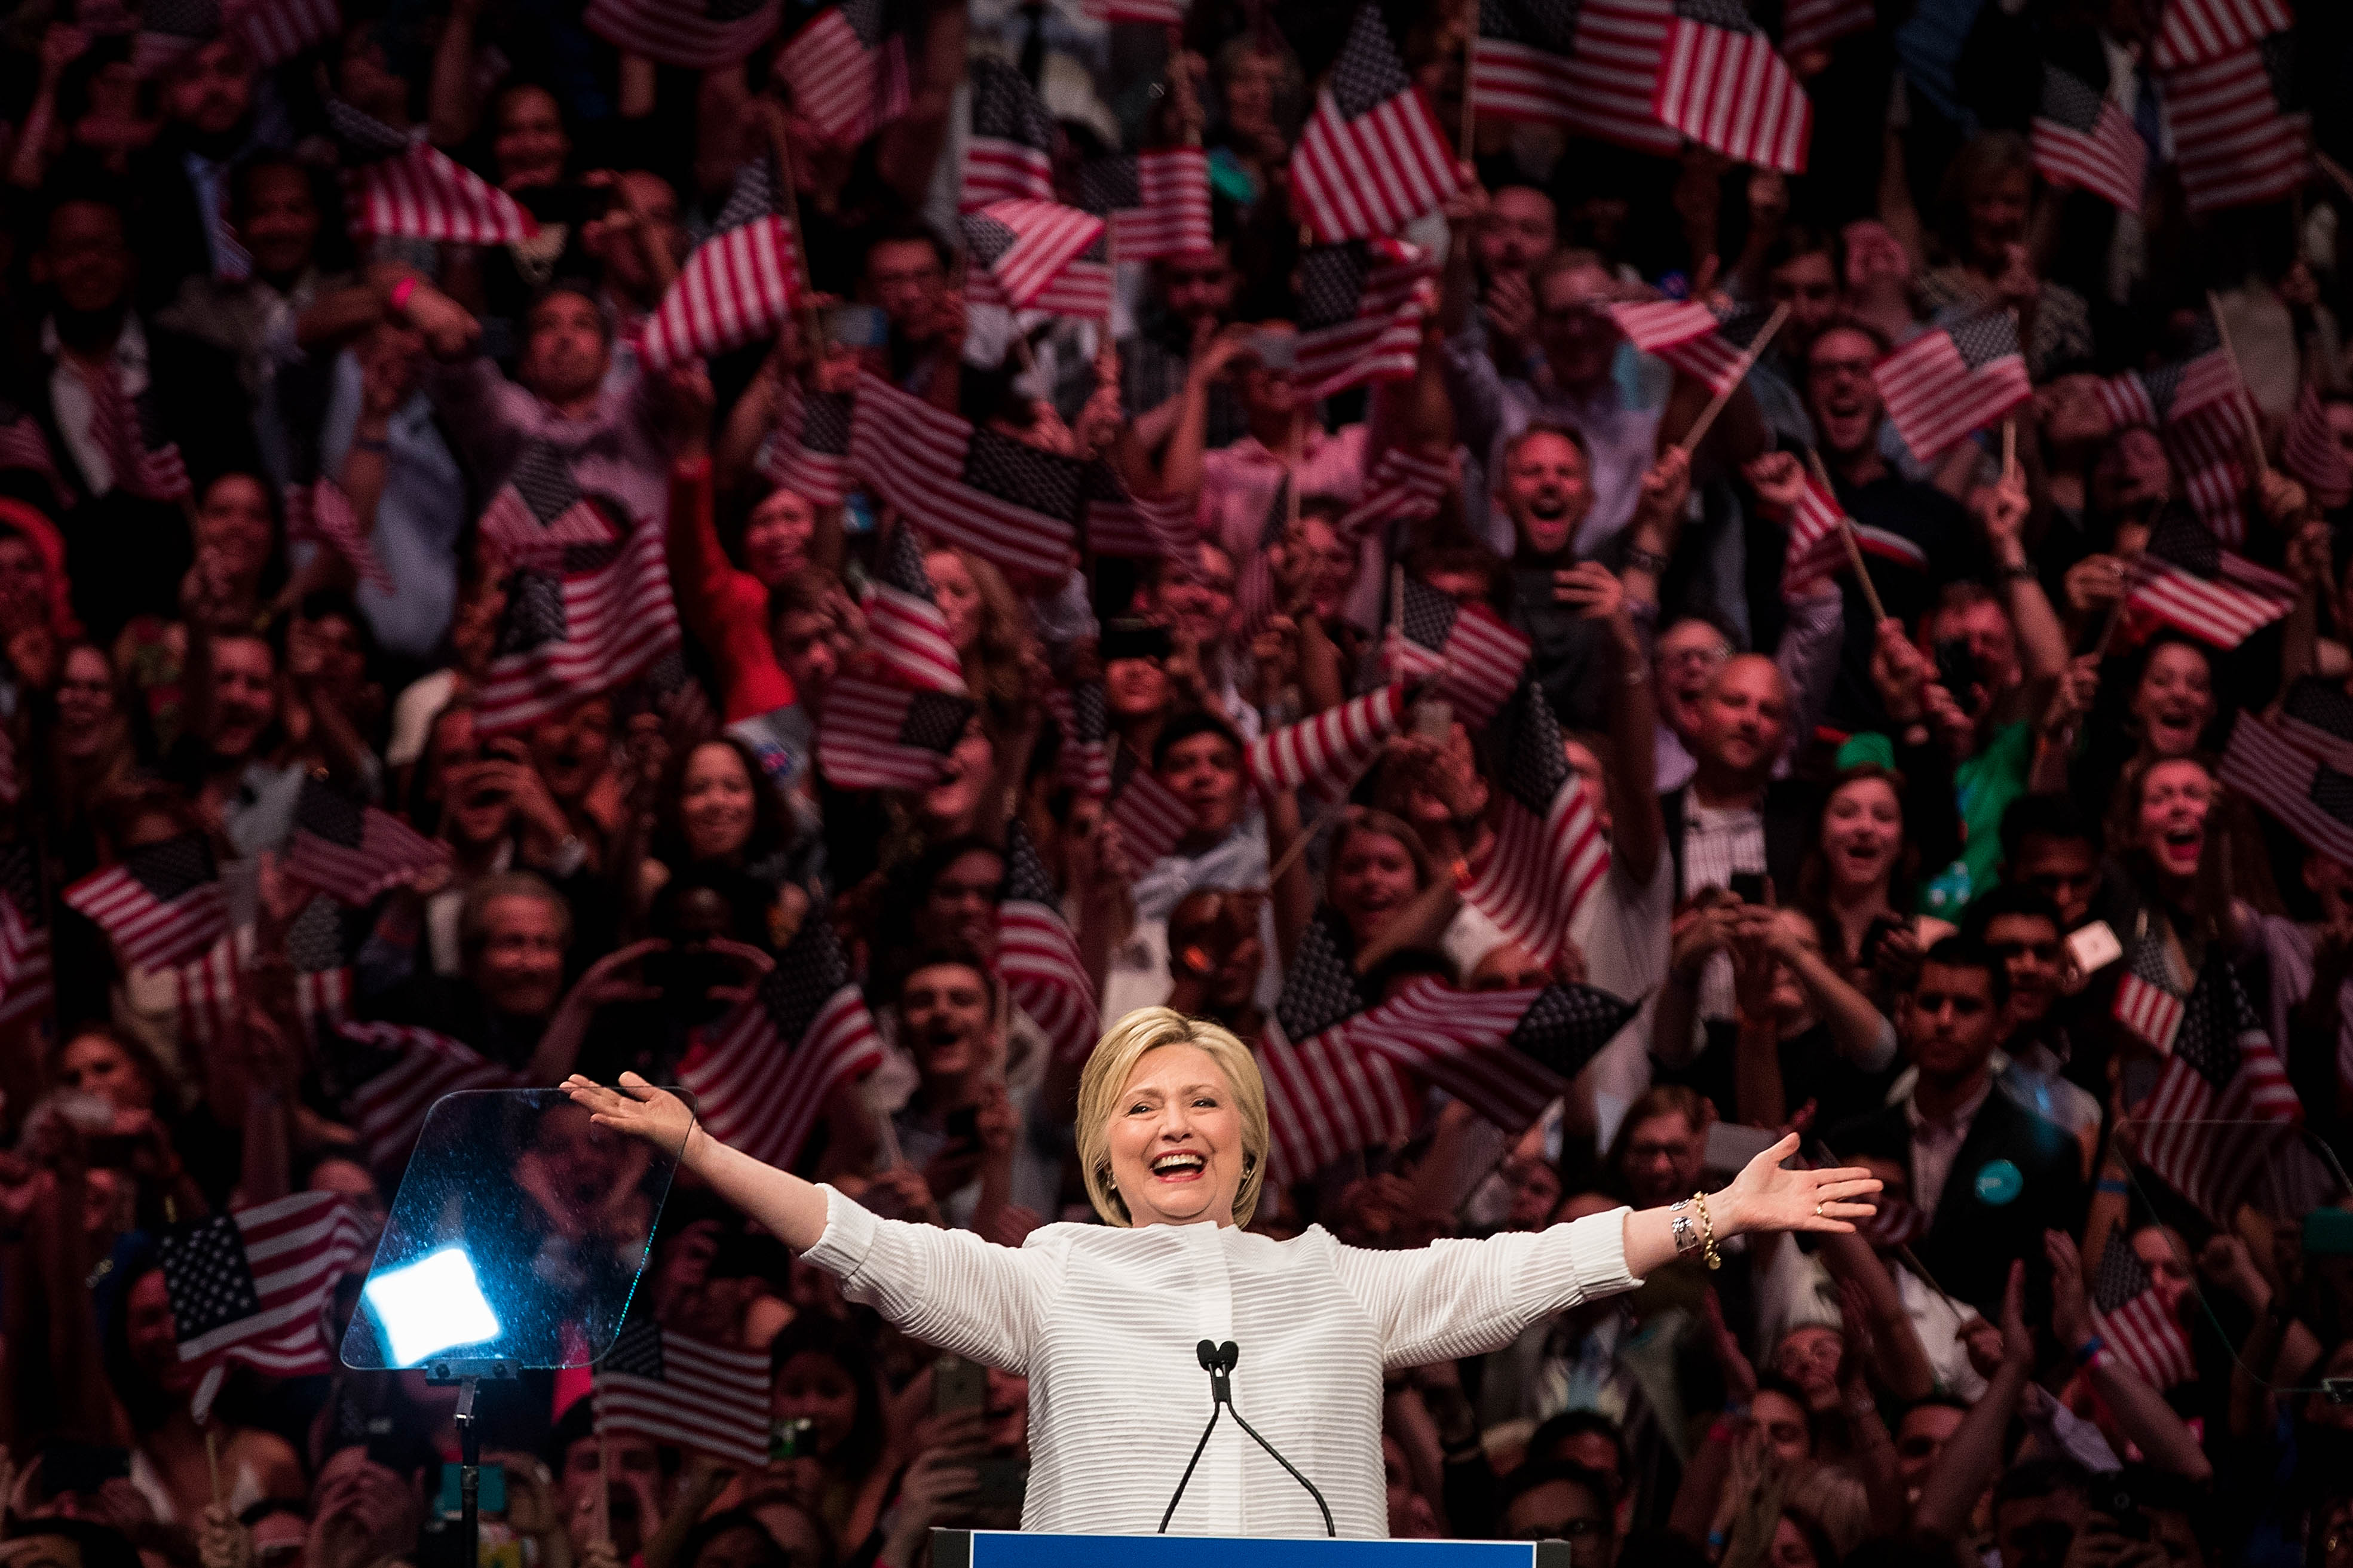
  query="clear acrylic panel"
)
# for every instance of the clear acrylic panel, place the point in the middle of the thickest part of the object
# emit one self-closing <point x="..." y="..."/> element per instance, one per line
<point x="515" y="1240"/>
<point x="2282" y="1194"/>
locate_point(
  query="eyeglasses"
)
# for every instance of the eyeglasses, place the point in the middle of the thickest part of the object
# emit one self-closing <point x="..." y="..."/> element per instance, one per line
<point x="1706" y="656"/>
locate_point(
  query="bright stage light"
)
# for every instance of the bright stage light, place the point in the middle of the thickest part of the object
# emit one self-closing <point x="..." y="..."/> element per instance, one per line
<point x="432" y="1305"/>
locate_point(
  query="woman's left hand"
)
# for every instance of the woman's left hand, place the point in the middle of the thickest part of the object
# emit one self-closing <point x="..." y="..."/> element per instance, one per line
<point x="1765" y="1197"/>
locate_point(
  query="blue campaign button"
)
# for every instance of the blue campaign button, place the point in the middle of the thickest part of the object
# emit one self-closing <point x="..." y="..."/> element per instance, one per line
<point x="1999" y="1181"/>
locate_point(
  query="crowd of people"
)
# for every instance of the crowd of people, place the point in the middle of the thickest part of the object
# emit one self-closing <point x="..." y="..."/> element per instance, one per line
<point x="1924" y="844"/>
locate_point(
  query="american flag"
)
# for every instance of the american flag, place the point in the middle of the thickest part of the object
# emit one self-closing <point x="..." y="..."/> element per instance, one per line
<point x="321" y="510"/>
<point x="1372" y="158"/>
<point x="169" y="29"/>
<point x="252" y="1288"/>
<point x="847" y="71"/>
<point x="278" y="30"/>
<point x="694" y="35"/>
<point x="1476" y="657"/>
<point x="1146" y="13"/>
<point x="1590" y="69"/>
<point x="1037" y="956"/>
<point x="1015" y="504"/>
<point x="1549" y="852"/>
<point x="738" y="286"/>
<point x="351" y="851"/>
<point x="2195" y="406"/>
<point x="1085" y="763"/>
<point x="2148" y="1010"/>
<point x="414" y="1067"/>
<point x="1697" y="339"/>
<point x="1361" y="306"/>
<point x="2146" y="1336"/>
<point x="881" y="737"/>
<point x="2195" y="31"/>
<point x="903" y="622"/>
<point x="118" y="423"/>
<point x="1121" y="522"/>
<point x="2313" y="454"/>
<point x="1326" y="1096"/>
<point x="321" y="942"/>
<point x="22" y="446"/>
<point x="397" y="186"/>
<point x="2317" y="715"/>
<point x="1506" y="1053"/>
<point x="1254" y="591"/>
<point x="541" y="511"/>
<point x="1402" y="486"/>
<point x="1954" y="380"/>
<point x="28" y="985"/>
<point x="162" y="904"/>
<point x="2083" y="139"/>
<point x="1153" y="818"/>
<point x="2238" y="136"/>
<point x="1157" y="203"/>
<point x="2312" y="797"/>
<point x="1815" y="550"/>
<point x="599" y="620"/>
<point x="2184" y="578"/>
<point x="808" y="451"/>
<point x="1325" y="753"/>
<point x="2223" y="1104"/>
<point x="764" y="1073"/>
<point x="1723" y="84"/>
<point x="662" y="1384"/>
<point x="1808" y="24"/>
<point x="1038" y="255"/>
<point x="1010" y="156"/>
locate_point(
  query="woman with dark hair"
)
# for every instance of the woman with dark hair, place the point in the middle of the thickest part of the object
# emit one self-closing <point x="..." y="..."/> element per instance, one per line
<point x="715" y="807"/>
<point x="828" y="1398"/>
<point x="1860" y="875"/>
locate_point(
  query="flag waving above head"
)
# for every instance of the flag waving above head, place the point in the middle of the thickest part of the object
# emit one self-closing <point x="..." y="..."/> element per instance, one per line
<point x="2223" y="1106"/>
<point x="808" y="451"/>
<point x="764" y="1073"/>
<point x="1009" y="155"/>
<point x="596" y="617"/>
<point x="2195" y="30"/>
<point x="738" y="286"/>
<point x="1361" y="307"/>
<point x="350" y="850"/>
<point x="541" y="509"/>
<point x="2145" y="1333"/>
<point x="170" y="30"/>
<point x="1326" y="754"/>
<point x="2313" y="453"/>
<point x="1015" y="504"/>
<point x="404" y="1069"/>
<point x="1506" y="1053"/>
<point x="2317" y="715"/>
<point x="276" y="31"/>
<point x="1153" y="819"/>
<point x="1121" y="522"/>
<point x="1704" y="341"/>
<point x="882" y="737"/>
<point x="847" y="71"/>
<point x="1083" y="720"/>
<point x="2241" y="135"/>
<point x="162" y="903"/>
<point x="1591" y="68"/>
<point x="1809" y="25"/>
<point x="1157" y="203"/>
<point x="1037" y="957"/>
<point x="904" y="623"/>
<point x="663" y="1385"/>
<point x="1723" y="84"/>
<point x="1038" y="255"/>
<point x="2081" y="139"/>
<point x="2310" y="791"/>
<point x="395" y="186"/>
<point x="1476" y="657"/>
<point x="693" y="35"/>
<point x="1402" y="486"/>
<point x="1328" y="1096"/>
<point x="1372" y="158"/>
<point x="2185" y="579"/>
<point x="252" y="1288"/>
<point x="319" y="511"/>
<point x="1549" y="852"/>
<point x="1952" y="381"/>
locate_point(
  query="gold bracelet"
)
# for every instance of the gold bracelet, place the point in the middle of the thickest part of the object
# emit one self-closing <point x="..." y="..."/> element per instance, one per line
<point x="1707" y="1232"/>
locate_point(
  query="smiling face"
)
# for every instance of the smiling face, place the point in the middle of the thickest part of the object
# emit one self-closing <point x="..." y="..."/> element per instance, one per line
<point x="2175" y="700"/>
<point x="96" y="1065"/>
<point x="776" y="539"/>
<point x="1839" y="393"/>
<point x="2170" y="824"/>
<point x="279" y="222"/>
<point x="943" y="1021"/>
<point x="85" y="701"/>
<point x="1517" y="232"/>
<point x="529" y="146"/>
<point x="957" y="595"/>
<point x="1548" y="490"/>
<point x="1372" y="878"/>
<point x="1743" y="722"/>
<point x="958" y="795"/>
<point x="1175" y="1139"/>
<point x="573" y="750"/>
<point x="715" y="804"/>
<point x="1205" y="771"/>
<point x="245" y="693"/>
<point x="1863" y="829"/>
<point x="1690" y="653"/>
<point x="818" y="1389"/>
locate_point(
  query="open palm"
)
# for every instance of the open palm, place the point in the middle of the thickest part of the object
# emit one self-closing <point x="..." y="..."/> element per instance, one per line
<point x="1768" y="1198"/>
<point x="636" y="1108"/>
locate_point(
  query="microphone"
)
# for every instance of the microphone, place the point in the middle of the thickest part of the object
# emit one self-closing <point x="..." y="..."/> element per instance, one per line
<point x="1217" y="1361"/>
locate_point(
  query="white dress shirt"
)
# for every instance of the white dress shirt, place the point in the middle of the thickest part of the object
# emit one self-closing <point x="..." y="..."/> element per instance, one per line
<point x="1103" y="1322"/>
<point x="73" y="407"/>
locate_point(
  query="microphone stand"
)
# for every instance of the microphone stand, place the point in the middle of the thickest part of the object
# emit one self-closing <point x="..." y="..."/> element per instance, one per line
<point x="1218" y="1361"/>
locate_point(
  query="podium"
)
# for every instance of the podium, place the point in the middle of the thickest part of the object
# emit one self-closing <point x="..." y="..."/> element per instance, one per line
<point x="1018" y="1549"/>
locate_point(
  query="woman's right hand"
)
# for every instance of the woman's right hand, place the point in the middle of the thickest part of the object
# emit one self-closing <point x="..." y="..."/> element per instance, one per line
<point x="636" y="1108"/>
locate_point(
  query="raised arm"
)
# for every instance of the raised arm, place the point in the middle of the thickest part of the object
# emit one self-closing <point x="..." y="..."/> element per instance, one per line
<point x="947" y="1288"/>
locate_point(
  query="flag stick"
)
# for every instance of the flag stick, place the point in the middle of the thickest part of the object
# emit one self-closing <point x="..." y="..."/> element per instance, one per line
<point x="2008" y="450"/>
<point x="1853" y="545"/>
<point x="1698" y="431"/>
<point x="212" y="1460"/>
<point x="1323" y="819"/>
<point x="2335" y="171"/>
<point x="789" y="181"/>
<point x="1470" y="94"/>
<point x="2246" y="398"/>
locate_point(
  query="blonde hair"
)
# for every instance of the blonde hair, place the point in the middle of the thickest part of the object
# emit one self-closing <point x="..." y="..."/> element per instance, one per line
<point x="1106" y="1076"/>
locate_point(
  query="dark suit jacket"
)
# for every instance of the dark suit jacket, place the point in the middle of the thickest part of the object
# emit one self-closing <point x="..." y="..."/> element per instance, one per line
<point x="1970" y="1245"/>
<point x="126" y="555"/>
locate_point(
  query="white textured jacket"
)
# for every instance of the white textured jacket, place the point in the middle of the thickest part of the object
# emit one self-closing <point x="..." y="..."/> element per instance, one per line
<point x="1103" y="1322"/>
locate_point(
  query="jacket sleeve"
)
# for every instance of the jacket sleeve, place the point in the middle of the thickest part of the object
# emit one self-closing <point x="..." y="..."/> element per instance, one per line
<point x="1455" y="1298"/>
<point x="724" y="608"/>
<point x="946" y="1287"/>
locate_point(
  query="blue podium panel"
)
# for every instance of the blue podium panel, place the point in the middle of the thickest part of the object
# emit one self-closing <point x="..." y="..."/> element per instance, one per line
<point x="1017" y="1549"/>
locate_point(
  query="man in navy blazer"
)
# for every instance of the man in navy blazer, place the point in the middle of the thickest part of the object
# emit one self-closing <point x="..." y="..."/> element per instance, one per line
<point x="1989" y="1174"/>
